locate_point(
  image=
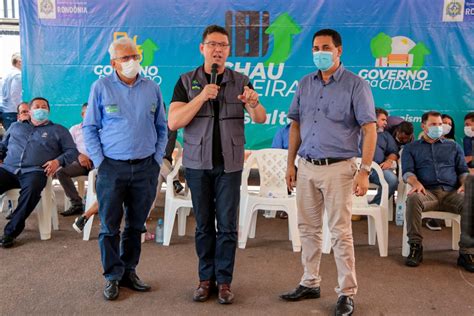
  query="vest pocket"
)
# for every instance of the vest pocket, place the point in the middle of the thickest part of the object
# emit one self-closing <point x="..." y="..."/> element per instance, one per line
<point x="238" y="143"/>
<point x="193" y="148"/>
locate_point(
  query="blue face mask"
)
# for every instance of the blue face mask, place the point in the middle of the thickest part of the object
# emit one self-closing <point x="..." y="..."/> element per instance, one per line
<point x="40" y="115"/>
<point x="435" y="132"/>
<point x="323" y="60"/>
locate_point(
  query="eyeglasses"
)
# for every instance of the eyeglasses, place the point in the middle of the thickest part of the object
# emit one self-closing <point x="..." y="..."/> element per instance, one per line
<point x="127" y="58"/>
<point x="216" y="44"/>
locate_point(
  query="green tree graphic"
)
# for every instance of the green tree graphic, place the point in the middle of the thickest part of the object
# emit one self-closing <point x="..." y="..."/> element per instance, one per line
<point x="419" y="52"/>
<point x="381" y="46"/>
<point x="283" y="29"/>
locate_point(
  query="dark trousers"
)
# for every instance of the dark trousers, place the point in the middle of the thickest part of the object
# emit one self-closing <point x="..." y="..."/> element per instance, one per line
<point x="215" y="196"/>
<point x="8" y="119"/>
<point x="65" y="175"/>
<point x="30" y="184"/>
<point x="132" y="186"/>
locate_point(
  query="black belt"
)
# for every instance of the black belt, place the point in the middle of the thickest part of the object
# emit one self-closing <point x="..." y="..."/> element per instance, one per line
<point x="134" y="161"/>
<point x="325" y="161"/>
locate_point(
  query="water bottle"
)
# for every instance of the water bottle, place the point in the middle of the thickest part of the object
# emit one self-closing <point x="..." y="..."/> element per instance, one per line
<point x="399" y="215"/>
<point x="159" y="232"/>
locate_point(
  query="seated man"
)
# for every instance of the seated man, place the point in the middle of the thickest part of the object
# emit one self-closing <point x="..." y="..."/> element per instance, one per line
<point x="436" y="170"/>
<point x="30" y="153"/>
<point x="386" y="155"/>
<point x="23" y="112"/>
<point x="280" y="140"/>
<point x="469" y="139"/>
<point x="81" y="167"/>
<point x="402" y="133"/>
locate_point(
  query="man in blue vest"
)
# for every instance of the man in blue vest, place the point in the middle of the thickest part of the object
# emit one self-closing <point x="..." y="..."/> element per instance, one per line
<point x="212" y="115"/>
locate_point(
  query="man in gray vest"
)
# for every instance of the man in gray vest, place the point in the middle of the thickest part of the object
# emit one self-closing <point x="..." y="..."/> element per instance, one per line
<point x="211" y="110"/>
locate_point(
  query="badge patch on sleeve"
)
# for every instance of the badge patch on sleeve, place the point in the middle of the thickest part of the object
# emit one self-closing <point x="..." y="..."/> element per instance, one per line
<point x="111" y="108"/>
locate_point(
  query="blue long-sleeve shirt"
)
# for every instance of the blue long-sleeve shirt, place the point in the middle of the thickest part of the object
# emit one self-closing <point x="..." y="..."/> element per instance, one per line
<point x="11" y="91"/>
<point x="437" y="165"/>
<point x="125" y="122"/>
<point x="26" y="148"/>
<point x="280" y="140"/>
<point x="386" y="145"/>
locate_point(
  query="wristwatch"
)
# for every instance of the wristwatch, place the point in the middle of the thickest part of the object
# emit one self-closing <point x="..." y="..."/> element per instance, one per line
<point x="365" y="167"/>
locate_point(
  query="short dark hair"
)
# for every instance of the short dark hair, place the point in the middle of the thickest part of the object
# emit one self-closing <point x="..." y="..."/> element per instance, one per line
<point x="405" y="128"/>
<point x="469" y="116"/>
<point x="214" y="29"/>
<point x="379" y="111"/>
<point x="426" y="115"/>
<point x="84" y="105"/>
<point x="19" y="104"/>
<point x="336" y="37"/>
<point x="40" y="98"/>
<point x="451" y="133"/>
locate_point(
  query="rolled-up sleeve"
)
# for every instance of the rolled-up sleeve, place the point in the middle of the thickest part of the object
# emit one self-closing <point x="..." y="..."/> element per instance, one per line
<point x="161" y="128"/>
<point x="92" y="125"/>
<point x="363" y="102"/>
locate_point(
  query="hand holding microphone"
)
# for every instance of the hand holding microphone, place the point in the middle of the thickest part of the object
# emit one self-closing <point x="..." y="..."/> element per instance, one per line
<point x="210" y="91"/>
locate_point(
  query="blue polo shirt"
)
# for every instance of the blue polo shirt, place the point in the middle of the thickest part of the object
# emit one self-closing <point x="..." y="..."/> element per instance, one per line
<point x="436" y="166"/>
<point x="331" y="114"/>
<point x="26" y="148"/>
<point x="125" y="122"/>
<point x="467" y="144"/>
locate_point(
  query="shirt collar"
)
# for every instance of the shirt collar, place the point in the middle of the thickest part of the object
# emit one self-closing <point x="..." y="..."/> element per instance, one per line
<point x="336" y="75"/>
<point x="441" y="140"/>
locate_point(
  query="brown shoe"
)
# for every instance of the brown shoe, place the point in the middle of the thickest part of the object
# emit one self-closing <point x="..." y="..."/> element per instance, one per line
<point x="225" y="295"/>
<point x="203" y="291"/>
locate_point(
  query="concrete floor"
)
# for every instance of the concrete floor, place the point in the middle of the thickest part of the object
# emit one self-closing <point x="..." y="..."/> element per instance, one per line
<point x="63" y="276"/>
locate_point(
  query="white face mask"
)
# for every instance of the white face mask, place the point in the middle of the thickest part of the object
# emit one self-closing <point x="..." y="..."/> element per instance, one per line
<point x="130" y="68"/>
<point x="446" y="129"/>
<point x="468" y="131"/>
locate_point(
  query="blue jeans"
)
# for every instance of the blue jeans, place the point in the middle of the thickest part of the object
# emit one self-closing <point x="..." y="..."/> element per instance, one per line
<point x="133" y="186"/>
<point x="215" y="196"/>
<point x="392" y="181"/>
<point x="31" y="185"/>
<point x="8" y="119"/>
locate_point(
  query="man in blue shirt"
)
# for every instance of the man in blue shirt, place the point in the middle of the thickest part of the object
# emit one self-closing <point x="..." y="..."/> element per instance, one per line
<point x="436" y="171"/>
<point x="330" y="109"/>
<point x="280" y="140"/>
<point x="468" y="140"/>
<point x="31" y="152"/>
<point x="386" y="155"/>
<point x="11" y="92"/>
<point x="125" y="135"/>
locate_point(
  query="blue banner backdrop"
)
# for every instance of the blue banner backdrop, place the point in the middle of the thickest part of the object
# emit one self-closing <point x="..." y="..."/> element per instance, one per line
<point x="417" y="55"/>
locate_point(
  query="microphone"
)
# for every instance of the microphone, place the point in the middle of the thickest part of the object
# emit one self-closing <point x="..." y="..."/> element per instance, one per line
<point x="214" y="73"/>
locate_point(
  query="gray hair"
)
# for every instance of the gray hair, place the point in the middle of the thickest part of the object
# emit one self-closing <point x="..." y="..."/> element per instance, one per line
<point x="16" y="57"/>
<point x="121" y="42"/>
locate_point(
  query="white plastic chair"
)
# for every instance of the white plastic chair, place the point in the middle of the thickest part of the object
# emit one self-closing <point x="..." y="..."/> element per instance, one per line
<point x="81" y="184"/>
<point x="91" y="197"/>
<point x="45" y="209"/>
<point x="272" y="196"/>
<point x="377" y="216"/>
<point x="454" y="219"/>
<point x="175" y="203"/>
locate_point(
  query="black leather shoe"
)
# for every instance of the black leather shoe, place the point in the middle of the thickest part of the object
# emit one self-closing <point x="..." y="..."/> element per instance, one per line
<point x="301" y="292"/>
<point x="130" y="280"/>
<point x="344" y="306"/>
<point x="6" y="241"/>
<point x="466" y="261"/>
<point x="73" y="210"/>
<point x="111" y="290"/>
<point x="9" y="216"/>
<point x="178" y="187"/>
<point x="416" y="255"/>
